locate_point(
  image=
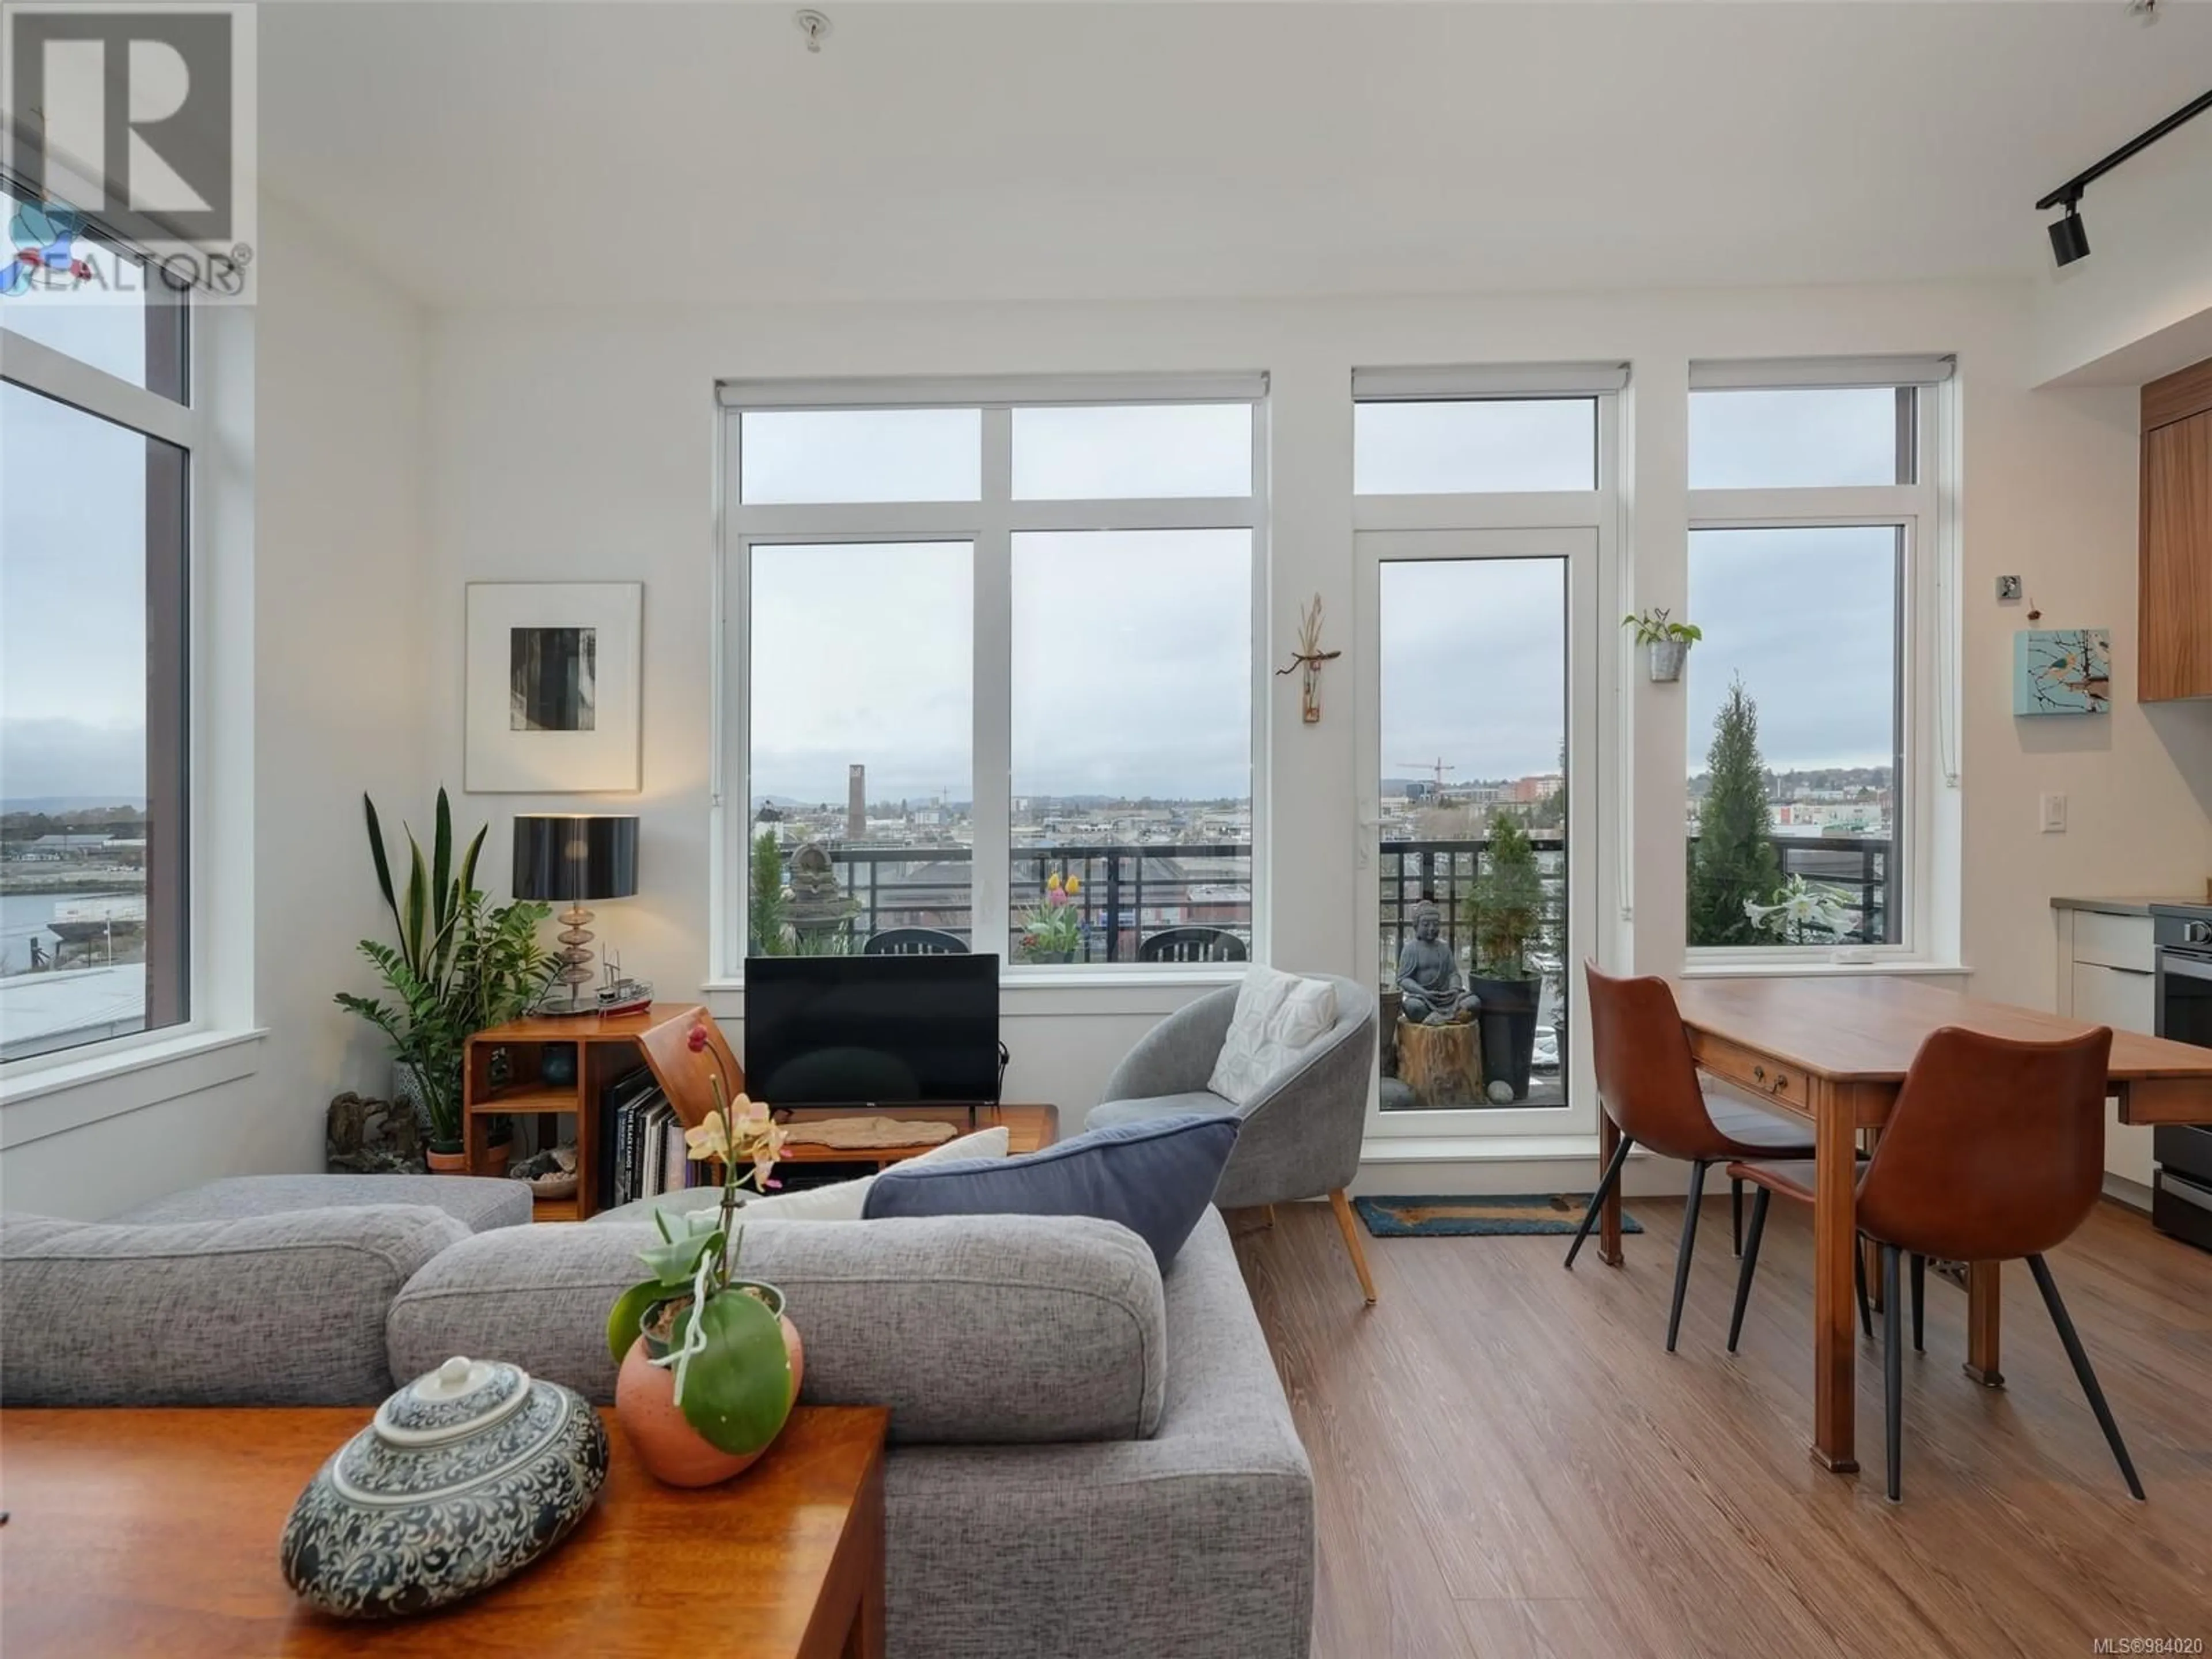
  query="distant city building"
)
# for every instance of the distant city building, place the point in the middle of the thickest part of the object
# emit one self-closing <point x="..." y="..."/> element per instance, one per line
<point x="856" y="802"/>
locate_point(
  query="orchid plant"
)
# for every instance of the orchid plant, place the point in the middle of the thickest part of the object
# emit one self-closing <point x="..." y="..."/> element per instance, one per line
<point x="1054" y="927"/>
<point x="720" y="1337"/>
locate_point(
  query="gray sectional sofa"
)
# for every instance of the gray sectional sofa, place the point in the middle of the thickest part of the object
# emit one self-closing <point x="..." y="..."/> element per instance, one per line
<point x="1089" y="1459"/>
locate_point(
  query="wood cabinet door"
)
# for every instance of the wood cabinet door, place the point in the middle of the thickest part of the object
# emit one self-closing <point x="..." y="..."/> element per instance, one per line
<point x="2176" y="616"/>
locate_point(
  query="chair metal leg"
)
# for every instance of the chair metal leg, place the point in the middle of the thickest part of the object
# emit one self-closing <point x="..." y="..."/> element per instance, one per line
<point x="1859" y="1284"/>
<point x="1750" y="1252"/>
<point x="1682" y="1253"/>
<point x="1893" y="1373"/>
<point x="1597" y="1199"/>
<point x="1736" y="1213"/>
<point x="1349" y="1224"/>
<point x="1919" y="1294"/>
<point x="2083" y="1369"/>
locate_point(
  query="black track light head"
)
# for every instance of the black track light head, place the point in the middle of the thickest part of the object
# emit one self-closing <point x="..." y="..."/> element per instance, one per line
<point x="2070" y="241"/>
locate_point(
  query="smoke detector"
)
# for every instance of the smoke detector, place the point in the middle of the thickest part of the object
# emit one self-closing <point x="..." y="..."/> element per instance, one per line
<point x="815" y="25"/>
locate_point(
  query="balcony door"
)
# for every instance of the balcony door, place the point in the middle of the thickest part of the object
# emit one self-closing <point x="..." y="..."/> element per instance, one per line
<point x="1478" y="731"/>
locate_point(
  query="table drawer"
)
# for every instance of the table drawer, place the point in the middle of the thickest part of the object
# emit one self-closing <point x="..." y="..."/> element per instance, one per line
<point x="1781" y="1085"/>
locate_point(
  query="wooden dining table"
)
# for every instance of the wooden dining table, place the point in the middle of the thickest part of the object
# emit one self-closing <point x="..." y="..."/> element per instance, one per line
<point x="1834" y="1052"/>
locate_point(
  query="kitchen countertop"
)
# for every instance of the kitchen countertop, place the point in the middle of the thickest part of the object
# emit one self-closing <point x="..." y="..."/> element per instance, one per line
<point x="2124" y="907"/>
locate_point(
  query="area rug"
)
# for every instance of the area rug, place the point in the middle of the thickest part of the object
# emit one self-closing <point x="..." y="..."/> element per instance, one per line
<point x="1455" y="1215"/>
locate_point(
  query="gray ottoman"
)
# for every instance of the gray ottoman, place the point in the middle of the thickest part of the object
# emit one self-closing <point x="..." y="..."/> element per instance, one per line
<point x="478" y="1202"/>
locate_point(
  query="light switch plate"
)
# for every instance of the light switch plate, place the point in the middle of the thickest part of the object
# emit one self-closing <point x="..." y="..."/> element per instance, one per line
<point x="2054" y="815"/>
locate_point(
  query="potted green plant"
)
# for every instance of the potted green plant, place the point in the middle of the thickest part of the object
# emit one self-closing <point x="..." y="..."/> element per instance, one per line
<point x="1667" y="642"/>
<point x="1509" y="908"/>
<point x="460" y="966"/>
<point x="710" y="1367"/>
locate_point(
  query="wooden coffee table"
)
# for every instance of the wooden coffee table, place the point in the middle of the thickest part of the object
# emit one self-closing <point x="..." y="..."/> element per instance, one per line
<point x="154" y="1532"/>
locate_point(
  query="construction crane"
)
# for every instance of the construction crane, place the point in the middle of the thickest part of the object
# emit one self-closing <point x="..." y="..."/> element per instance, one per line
<point x="1435" y="768"/>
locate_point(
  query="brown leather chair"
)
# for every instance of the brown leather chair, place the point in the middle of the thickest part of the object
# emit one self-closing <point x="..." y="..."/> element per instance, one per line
<point x="1995" y="1151"/>
<point x="1648" y="1085"/>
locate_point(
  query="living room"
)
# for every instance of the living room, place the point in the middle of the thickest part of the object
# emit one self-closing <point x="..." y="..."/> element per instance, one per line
<point x="1150" y="493"/>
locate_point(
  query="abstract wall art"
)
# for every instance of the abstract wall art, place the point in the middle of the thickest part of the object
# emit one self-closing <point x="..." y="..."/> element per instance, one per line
<point x="553" y="677"/>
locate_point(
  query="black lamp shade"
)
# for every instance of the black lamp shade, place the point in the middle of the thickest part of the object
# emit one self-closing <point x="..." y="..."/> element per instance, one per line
<point x="574" y="856"/>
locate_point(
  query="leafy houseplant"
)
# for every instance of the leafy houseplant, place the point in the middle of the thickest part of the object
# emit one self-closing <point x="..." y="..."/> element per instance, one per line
<point x="1667" y="642"/>
<point x="1053" y="931"/>
<point x="460" y="966"/>
<point x="710" y="1367"/>
<point x="1509" y="909"/>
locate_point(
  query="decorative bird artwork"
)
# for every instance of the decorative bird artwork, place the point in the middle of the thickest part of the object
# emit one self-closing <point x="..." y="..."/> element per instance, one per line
<point x="1309" y="656"/>
<point x="2062" y="671"/>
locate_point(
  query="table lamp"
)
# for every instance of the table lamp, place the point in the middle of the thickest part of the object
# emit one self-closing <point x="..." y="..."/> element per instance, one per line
<point x="568" y="858"/>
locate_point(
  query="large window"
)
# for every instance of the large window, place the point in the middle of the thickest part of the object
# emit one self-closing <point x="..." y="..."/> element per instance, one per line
<point x="995" y="687"/>
<point x="1813" y="511"/>
<point x="95" y="556"/>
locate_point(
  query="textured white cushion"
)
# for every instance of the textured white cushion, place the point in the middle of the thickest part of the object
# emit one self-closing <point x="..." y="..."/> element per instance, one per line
<point x="1279" y="1017"/>
<point x="843" y="1200"/>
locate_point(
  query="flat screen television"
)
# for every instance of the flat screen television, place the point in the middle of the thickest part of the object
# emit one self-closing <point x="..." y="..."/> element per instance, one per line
<point x="872" y="1031"/>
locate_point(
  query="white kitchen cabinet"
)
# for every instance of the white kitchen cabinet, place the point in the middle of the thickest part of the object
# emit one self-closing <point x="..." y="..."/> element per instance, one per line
<point x="2122" y="998"/>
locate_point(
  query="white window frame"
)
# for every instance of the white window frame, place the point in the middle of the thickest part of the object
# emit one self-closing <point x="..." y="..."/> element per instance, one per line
<point x="1924" y="511"/>
<point x="1584" y="527"/>
<point x="218" y="1042"/>
<point x="989" y="526"/>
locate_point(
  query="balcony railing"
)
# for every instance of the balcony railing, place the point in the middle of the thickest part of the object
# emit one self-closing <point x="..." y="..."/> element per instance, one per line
<point x="1127" y="892"/>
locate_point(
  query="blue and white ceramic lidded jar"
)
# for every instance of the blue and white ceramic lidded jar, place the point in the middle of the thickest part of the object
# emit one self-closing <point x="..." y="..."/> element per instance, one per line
<point x="466" y="1475"/>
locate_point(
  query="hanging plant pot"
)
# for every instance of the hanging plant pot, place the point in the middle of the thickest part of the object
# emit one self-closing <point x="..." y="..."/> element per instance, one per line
<point x="1667" y="657"/>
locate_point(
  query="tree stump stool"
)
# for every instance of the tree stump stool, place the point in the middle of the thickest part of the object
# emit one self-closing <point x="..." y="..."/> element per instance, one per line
<point x="1441" y="1064"/>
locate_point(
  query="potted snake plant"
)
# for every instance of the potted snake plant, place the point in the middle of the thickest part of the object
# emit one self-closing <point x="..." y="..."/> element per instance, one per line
<point x="460" y="965"/>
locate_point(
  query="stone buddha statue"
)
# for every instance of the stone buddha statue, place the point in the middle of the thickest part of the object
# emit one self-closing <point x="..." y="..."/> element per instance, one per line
<point x="1429" y="991"/>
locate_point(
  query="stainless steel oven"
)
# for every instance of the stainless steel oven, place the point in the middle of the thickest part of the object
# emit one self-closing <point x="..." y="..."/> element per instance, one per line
<point x="2181" y="1187"/>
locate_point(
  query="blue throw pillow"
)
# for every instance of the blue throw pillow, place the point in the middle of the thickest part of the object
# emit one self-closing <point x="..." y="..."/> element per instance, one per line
<point x="1156" y="1178"/>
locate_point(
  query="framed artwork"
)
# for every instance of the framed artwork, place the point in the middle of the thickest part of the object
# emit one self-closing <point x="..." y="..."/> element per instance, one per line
<point x="2062" y="671"/>
<point x="553" y="671"/>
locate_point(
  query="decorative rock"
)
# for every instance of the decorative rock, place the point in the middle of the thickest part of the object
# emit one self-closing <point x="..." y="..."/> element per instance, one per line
<point x="1500" y="1093"/>
<point x="466" y="1476"/>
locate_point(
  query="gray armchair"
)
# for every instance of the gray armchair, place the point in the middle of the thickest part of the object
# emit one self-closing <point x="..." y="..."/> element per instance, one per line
<point x="1301" y="1136"/>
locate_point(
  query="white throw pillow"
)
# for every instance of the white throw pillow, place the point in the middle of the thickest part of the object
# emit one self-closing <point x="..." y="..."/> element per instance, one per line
<point x="843" y="1200"/>
<point x="1279" y="1017"/>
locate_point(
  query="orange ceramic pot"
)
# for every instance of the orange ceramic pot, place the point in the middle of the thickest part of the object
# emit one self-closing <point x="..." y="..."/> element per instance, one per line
<point x="494" y="1160"/>
<point x="672" y="1452"/>
<point x="448" y="1163"/>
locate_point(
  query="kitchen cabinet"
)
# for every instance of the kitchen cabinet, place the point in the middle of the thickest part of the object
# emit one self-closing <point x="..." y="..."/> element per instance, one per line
<point x="2105" y="974"/>
<point x="2175" y="590"/>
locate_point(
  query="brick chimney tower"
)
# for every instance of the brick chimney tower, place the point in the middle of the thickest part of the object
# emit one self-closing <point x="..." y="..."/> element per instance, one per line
<point x="856" y="803"/>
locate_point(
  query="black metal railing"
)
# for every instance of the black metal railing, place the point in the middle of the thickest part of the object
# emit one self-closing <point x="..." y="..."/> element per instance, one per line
<point x="1126" y="893"/>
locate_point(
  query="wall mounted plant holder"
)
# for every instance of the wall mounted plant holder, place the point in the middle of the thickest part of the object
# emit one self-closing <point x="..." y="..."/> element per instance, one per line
<point x="2062" y="671"/>
<point x="1309" y="656"/>
<point x="1666" y="644"/>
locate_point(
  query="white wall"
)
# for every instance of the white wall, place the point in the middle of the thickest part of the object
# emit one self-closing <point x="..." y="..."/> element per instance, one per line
<point x="340" y="703"/>
<point x="576" y="445"/>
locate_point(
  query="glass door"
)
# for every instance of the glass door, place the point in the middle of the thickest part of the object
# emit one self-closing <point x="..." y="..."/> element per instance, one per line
<point x="1481" y="704"/>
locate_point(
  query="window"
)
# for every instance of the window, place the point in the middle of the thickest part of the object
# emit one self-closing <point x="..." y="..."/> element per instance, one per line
<point x="95" y="560"/>
<point x="1469" y="446"/>
<point x="997" y="686"/>
<point x="1811" y="710"/>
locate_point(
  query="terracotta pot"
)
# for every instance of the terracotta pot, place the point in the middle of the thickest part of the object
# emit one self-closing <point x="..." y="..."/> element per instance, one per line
<point x="672" y="1452"/>
<point x="494" y="1159"/>
<point x="448" y="1163"/>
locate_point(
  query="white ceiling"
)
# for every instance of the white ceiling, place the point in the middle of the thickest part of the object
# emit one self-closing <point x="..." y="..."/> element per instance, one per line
<point x="589" y="152"/>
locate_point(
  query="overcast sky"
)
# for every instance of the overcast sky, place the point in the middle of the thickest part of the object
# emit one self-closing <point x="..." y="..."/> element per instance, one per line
<point x="1132" y="672"/>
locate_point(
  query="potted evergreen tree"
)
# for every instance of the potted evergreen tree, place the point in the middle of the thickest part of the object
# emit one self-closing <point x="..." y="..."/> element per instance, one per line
<point x="1733" y="868"/>
<point x="1509" y="908"/>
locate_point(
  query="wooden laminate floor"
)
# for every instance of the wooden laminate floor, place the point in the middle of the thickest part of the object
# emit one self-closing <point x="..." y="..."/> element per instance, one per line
<point x="1508" y="1462"/>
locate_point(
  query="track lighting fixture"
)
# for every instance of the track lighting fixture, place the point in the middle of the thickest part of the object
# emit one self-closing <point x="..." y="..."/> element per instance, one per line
<point x="2068" y="239"/>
